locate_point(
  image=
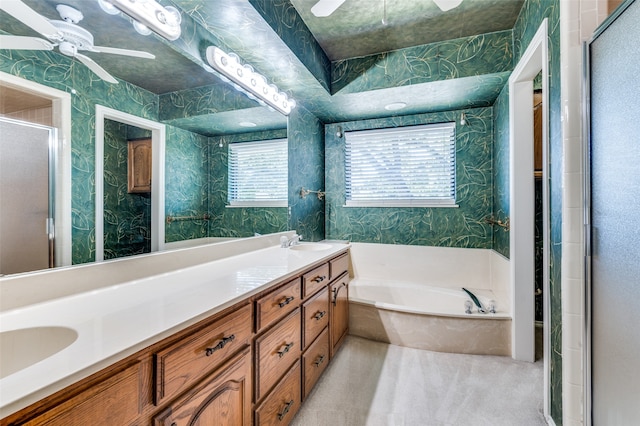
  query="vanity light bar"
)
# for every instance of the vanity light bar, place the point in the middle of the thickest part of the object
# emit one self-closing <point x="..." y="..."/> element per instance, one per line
<point x="163" y="20"/>
<point x="228" y="64"/>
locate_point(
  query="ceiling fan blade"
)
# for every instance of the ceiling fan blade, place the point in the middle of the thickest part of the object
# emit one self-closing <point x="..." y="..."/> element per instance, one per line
<point x="324" y="8"/>
<point x="24" y="43"/>
<point x="125" y="52"/>
<point x="31" y="18"/>
<point x="97" y="69"/>
<point x="446" y="5"/>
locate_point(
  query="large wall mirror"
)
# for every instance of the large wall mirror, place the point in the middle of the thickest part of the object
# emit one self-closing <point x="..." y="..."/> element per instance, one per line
<point x="191" y="116"/>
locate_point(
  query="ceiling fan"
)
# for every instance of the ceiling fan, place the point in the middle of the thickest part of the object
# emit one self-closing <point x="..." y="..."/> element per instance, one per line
<point x="65" y="34"/>
<point x="324" y="8"/>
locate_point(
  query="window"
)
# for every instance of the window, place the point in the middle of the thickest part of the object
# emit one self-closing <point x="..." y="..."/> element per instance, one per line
<point x="401" y="167"/>
<point x="258" y="174"/>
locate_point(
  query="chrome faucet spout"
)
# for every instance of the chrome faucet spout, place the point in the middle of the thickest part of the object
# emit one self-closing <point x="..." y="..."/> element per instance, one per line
<point x="473" y="297"/>
<point x="288" y="242"/>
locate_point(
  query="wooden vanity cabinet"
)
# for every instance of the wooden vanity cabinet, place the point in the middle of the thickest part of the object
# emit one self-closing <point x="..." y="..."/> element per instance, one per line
<point x="253" y="362"/>
<point x="222" y="399"/>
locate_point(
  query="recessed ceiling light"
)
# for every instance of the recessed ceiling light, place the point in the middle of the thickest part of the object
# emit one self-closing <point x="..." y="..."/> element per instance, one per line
<point x="395" y="106"/>
<point x="247" y="124"/>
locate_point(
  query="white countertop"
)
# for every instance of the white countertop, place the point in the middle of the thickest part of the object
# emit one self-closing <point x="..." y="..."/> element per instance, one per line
<point x="116" y="321"/>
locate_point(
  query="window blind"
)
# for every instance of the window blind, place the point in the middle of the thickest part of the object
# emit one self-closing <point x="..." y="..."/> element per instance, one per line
<point x="407" y="166"/>
<point x="258" y="173"/>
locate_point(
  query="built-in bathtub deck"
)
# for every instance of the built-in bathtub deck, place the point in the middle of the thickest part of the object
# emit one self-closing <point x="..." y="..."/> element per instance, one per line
<point x="412" y="296"/>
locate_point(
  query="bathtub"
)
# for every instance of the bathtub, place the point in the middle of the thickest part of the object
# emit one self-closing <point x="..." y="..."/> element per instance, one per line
<point x="412" y="296"/>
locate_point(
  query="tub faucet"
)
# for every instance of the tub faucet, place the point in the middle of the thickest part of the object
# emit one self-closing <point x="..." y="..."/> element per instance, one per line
<point x="473" y="297"/>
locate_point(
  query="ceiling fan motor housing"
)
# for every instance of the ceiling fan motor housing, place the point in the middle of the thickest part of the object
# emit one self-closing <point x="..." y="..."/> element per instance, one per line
<point x="77" y="36"/>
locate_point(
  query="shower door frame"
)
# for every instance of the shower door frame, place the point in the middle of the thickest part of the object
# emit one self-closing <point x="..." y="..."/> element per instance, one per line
<point x="61" y="120"/>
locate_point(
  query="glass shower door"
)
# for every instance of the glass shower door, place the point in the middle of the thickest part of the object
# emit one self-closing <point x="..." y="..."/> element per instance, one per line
<point x="27" y="158"/>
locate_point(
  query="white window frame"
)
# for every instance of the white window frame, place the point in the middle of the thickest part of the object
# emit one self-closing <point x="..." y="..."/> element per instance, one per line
<point x="259" y="146"/>
<point x="378" y="137"/>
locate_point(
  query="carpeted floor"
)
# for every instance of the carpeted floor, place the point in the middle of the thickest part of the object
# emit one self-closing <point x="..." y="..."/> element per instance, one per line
<point x="371" y="383"/>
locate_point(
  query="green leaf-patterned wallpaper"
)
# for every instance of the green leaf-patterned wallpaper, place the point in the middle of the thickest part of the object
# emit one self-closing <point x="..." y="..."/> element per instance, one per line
<point x="239" y="222"/>
<point x="448" y="227"/>
<point x="186" y="184"/>
<point x="306" y="170"/>
<point x="127" y="217"/>
<point x="66" y="74"/>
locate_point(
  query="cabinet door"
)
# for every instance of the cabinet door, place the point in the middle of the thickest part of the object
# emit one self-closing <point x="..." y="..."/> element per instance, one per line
<point x="223" y="399"/>
<point x="116" y="400"/>
<point x="139" y="166"/>
<point x="339" y="307"/>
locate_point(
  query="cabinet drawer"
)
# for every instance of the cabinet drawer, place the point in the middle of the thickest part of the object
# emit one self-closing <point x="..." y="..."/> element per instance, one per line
<point x="187" y="361"/>
<point x="276" y="351"/>
<point x="116" y="400"/>
<point x="283" y="403"/>
<point x="314" y="280"/>
<point x="338" y="266"/>
<point x="314" y="361"/>
<point x="223" y="399"/>
<point x="277" y="304"/>
<point x="315" y="316"/>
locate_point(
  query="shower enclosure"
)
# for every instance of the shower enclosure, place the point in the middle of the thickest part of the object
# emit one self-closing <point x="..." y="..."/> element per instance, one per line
<point x="27" y="173"/>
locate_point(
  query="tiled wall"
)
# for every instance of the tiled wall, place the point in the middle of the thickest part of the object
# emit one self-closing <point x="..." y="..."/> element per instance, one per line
<point x="448" y="227"/>
<point x="579" y="20"/>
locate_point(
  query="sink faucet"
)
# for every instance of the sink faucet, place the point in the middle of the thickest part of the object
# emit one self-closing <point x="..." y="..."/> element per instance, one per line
<point x="288" y="242"/>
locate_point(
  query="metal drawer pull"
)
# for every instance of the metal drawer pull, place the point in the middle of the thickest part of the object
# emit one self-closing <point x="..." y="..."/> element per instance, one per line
<point x="319" y="361"/>
<point x="286" y="301"/>
<point x="285" y="410"/>
<point x="221" y="344"/>
<point x="320" y="315"/>
<point x="319" y="279"/>
<point x="285" y="349"/>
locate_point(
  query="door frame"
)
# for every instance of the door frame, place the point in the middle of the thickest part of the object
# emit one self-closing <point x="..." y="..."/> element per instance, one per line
<point x="158" y="143"/>
<point x="522" y="191"/>
<point x="61" y="119"/>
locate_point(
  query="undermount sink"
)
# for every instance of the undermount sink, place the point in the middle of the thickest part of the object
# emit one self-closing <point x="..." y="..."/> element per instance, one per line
<point x="310" y="247"/>
<point x="24" y="347"/>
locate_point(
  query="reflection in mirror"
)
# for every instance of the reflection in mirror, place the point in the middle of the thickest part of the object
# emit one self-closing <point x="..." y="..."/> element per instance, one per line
<point x="39" y="111"/>
<point x="127" y="223"/>
<point x="127" y="208"/>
